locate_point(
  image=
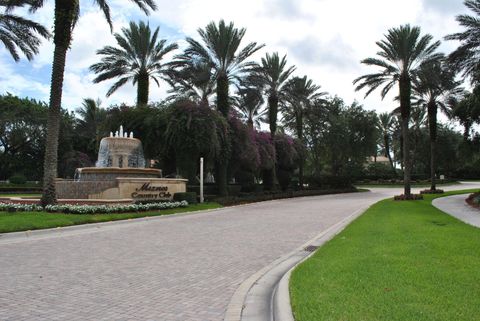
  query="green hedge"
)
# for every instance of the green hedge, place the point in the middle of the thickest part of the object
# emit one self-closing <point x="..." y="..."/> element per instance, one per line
<point x="190" y="197"/>
<point x="245" y="198"/>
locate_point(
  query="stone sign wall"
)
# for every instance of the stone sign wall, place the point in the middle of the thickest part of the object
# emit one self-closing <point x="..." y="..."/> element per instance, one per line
<point x="144" y="189"/>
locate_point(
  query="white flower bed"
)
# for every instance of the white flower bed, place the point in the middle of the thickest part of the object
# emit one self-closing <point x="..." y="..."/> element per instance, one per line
<point x="91" y="209"/>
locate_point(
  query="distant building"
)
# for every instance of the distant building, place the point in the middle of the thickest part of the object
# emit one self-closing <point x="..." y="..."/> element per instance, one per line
<point x="379" y="159"/>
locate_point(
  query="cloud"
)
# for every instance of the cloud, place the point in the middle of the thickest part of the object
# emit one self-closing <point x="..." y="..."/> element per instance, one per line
<point x="325" y="39"/>
<point x="334" y="54"/>
<point x="285" y="9"/>
<point x="446" y="7"/>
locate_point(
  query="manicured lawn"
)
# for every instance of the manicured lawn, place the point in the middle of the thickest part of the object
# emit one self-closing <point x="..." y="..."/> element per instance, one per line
<point x="399" y="261"/>
<point x="426" y="185"/>
<point x="24" y="221"/>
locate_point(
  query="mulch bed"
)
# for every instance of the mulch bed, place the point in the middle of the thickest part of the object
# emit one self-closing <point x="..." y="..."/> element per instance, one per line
<point x="412" y="197"/>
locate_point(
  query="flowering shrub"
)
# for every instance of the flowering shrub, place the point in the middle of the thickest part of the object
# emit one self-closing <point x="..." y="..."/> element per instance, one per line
<point x="9" y="207"/>
<point x="91" y="209"/>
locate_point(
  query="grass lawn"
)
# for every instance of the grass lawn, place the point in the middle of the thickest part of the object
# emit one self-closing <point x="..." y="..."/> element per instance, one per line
<point x="426" y="185"/>
<point x="24" y="221"/>
<point x="398" y="261"/>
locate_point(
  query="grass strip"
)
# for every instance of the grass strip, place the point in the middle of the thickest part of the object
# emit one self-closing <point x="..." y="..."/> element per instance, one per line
<point x="399" y="261"/>
<point x="24" y="221"/>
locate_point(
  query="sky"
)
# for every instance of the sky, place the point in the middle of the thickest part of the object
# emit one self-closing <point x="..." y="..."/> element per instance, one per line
<point x="324" y="39"/>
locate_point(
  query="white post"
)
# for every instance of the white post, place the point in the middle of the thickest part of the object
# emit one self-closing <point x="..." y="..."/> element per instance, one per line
<point x="201" y="179"/>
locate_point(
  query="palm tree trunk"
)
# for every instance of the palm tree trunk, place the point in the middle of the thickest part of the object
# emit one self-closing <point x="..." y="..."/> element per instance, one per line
<point x="467" y="125"/>
<point x="64" y="15"/>
<point x="386" y="142"/>
<point x="272" y="119"/>
<point x="405" y="95"/>
<point x="250" y="123"/>
<point x="432" y="124"/>
<point x="302" y="159"/>
<point x="224" y="108"/>
<point x="142" y="89"/>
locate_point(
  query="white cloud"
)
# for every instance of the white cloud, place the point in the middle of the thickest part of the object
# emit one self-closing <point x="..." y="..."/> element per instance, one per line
<point x="325" y="39"/>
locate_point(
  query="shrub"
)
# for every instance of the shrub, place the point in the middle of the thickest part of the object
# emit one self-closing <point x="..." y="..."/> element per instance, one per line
<point x="375" y="171"/>
<point x="190" y="197"/>
<point x="18" y="179"/>
<point x="329" y="182"/>
<point x="90" y="209"/>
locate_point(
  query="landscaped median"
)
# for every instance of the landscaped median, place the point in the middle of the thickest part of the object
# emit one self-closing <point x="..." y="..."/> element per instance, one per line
<point x="398" y="261"/>
<point x="23" y="221"/>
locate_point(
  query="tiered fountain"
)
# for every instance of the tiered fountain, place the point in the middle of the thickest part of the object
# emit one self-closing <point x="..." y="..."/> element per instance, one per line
<point x="120" y="173"/>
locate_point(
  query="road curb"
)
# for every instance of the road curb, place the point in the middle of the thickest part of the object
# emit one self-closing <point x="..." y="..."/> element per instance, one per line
<point x="264" y="295"/>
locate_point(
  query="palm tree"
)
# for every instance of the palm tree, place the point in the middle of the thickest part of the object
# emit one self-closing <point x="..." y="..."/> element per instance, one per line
<point x="467" y="57"/>
<point x="249" y="103"/>
<point x="138" y="59"/>
<point x="467" y="110"/>
<point x="300" y="94"/>
<point x="400" y="55"/>
<point x="91" y="118"/>
<point x="272" y="74"/>
<point x="435" y="86"/>
<point x="385" y="126"/>
<point x="194" y="81"/>
<point x="221" y="50"/>
<point x="17" y="33"/>
<point x="66" y="16"/>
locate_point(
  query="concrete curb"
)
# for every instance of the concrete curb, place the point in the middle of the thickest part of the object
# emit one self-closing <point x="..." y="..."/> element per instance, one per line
<point x="264" y="295"/>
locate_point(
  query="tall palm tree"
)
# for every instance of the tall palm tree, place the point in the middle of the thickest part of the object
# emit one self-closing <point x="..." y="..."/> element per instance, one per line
<point x="18" y="33"/>
<point x="272" y="74"/>
<point x="435" y="87"/>
<point x="300" y="94"/>
<point x="91" y="118"/>
<point x="193" y="80"/>
<point x="138" y="58"/>
<point x="220" y="49"/>
<point x="66" y="16"/>
<point x="467" y="56"/>
<point x="249" y="103"/>
<point x="385" y="126"/>
<point x="401" y="53"/>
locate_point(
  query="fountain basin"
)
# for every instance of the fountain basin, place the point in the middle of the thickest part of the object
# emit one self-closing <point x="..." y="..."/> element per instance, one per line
<point x="112" y="173"/>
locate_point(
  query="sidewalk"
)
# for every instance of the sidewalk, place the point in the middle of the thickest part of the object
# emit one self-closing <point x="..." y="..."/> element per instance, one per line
<point x="457" y="207"/>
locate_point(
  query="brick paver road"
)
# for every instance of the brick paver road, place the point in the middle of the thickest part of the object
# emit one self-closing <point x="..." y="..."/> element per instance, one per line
<point x="171" y="268"/>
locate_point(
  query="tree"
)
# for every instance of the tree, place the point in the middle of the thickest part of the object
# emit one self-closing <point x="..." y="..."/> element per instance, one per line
<point x="249" y="103"/>
<point x="300" y="93"/>
<point x="192" y="80"/>
<point x="466" y="56"/>
<point x="435" y="87"/>
<point x="66" y="15"/>
<point x="138" y="59"/>
<point x="467" y="111"/>
<point x="17" y="33"/>
<point x="384" y="126"/>
<point x="90" y="125"/>
<point x="400" y="55"/>
<point x="271" y="75"/>
<point x="221" y="50"/>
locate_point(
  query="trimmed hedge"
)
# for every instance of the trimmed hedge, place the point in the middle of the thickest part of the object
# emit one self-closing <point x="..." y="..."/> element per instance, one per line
<point x="245" y="198"/>
<point x="190" y="197"/>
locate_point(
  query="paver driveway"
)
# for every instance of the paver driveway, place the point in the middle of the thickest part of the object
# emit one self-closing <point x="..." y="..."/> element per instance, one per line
<point x="170" y="268"/>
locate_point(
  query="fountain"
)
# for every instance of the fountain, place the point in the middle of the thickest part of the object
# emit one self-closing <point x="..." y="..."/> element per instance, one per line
<point x="119" y="173"/>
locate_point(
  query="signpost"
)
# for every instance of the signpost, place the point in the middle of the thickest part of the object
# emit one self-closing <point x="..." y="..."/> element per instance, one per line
<point x="201" y="179"/>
